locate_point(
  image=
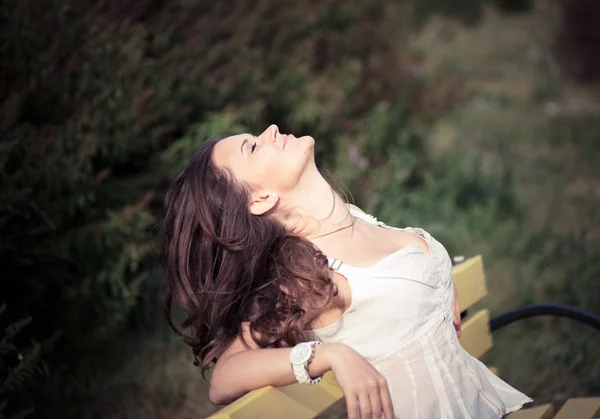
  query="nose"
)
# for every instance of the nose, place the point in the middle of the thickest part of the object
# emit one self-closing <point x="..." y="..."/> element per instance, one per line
<point x="272" y="132"/>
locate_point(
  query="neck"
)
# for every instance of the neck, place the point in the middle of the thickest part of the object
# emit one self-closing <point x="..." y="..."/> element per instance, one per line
<point x="314" y="208"/>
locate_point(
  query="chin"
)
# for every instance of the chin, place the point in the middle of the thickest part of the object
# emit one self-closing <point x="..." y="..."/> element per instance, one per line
<point x="309" y="143"/>
<point x="308" y="146"/>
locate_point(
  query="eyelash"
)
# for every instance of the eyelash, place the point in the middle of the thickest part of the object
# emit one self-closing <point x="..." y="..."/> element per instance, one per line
<point x="253" y="147"/>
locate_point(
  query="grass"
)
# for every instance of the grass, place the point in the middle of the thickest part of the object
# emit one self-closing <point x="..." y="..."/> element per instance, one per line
<point x="154" y="379"/>
<point x="521" y="117"/>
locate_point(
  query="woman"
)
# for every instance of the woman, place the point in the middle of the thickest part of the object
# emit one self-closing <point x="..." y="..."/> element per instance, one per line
<point x="247" y="226"/>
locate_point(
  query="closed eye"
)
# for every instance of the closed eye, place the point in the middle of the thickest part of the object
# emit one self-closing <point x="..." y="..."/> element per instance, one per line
<point x="253" y="147"/>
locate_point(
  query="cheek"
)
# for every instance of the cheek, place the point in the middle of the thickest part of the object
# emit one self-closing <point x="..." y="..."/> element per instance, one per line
<point x="273" y="173"/>
<point x="290" y="170"/>
<point x="265" y="173"/>
<point x="281" y="171"/>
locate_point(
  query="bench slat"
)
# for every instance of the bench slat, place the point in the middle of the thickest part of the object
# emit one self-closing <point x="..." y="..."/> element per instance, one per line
<point x="538" y="412"/>
<point x="317" y="397"/>
<point x="476" y="337"/>
<point x="581" y="408"/>
<point x="469" y="279"/>
<point x="267" y="402"/>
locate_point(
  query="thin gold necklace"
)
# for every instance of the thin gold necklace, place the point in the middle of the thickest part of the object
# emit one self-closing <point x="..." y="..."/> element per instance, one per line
<point x="338" y="229"/>
<point x="334" y="231"/>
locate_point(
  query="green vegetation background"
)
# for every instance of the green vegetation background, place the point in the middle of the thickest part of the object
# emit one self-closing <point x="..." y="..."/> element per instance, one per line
<point x="449" y="115"/>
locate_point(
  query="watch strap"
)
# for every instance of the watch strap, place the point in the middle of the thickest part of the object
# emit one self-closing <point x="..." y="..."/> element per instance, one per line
<point x="301" y="370"/>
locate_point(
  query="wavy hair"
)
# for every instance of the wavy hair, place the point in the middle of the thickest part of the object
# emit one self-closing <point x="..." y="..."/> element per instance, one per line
<point x="226" y="266"/>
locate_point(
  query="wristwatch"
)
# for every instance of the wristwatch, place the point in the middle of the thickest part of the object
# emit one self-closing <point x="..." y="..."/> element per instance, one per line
<point x="300" y="357"/>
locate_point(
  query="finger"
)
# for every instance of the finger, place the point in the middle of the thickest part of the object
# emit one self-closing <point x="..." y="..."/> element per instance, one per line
<point x="455" y="298"/>
<point x="351" y="407"/>
<point x="457" y="327"/>
<point x="386" y="402"/>
<point x="457" y="321"/>
<point x="364" y="402"/>
<point x="375" y="399"/>
<point x="455" y="311"/>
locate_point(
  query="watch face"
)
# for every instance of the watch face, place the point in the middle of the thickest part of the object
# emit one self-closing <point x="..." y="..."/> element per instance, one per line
<point x="301" y="353"/>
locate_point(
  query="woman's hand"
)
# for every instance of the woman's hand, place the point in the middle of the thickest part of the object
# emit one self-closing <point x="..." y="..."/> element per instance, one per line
<point x="365" y="389"/>
<point x="456" y="312"/>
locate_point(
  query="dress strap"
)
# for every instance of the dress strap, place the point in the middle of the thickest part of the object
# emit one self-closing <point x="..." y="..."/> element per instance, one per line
<point x="335" y="264"/>
<point x="347" y="271"/>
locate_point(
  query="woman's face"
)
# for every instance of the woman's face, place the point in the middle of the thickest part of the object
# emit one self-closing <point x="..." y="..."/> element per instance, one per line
<point x="271" y="162"/>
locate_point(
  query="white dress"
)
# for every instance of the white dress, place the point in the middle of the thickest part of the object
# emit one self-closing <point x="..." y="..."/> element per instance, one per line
<point x="400" y="320"/>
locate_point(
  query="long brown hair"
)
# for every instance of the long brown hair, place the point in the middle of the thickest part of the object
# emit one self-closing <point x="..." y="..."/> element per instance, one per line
<point x="226" y="266"/>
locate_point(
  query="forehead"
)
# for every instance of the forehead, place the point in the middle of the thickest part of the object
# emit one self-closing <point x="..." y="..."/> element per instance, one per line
<point x="228" y="152"/>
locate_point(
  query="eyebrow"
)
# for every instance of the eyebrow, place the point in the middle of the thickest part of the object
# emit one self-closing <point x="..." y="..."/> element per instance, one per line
<point x="242" y="147"/>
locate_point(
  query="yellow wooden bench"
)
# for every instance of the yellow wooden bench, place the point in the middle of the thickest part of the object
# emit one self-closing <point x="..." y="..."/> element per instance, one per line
<point x="300" y="401"/>
<point x="583" y="408"/>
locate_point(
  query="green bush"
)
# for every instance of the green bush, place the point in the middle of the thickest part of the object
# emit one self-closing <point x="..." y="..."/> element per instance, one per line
<point x="103" y="103"/>
<point x="19" y="367"/>
<point x="578" y="41"/>
<point x="515" y="6"/>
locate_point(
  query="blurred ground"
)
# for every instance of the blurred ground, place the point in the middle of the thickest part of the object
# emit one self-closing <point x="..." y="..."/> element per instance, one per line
<point x="518" y="101"/>
<point x="522" y="114"/>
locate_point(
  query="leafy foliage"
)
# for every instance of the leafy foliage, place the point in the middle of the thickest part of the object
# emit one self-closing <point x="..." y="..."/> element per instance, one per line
<point x="19" y="367"/>
<point x="97" y="118"/>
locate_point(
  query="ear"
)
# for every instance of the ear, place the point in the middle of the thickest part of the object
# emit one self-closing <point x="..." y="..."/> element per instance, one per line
<point x="262" y="203"/>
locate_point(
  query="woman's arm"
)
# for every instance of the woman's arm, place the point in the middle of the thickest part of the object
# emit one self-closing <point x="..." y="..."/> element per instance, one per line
<point x="241" y="369"/>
